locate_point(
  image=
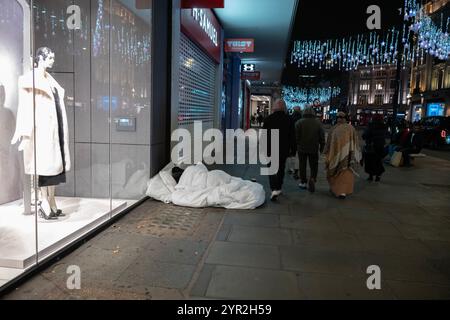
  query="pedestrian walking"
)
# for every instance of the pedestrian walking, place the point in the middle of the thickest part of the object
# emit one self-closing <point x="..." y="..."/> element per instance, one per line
<point x="293" y="162"/>
<point x="342" y="156"/>
<point x="375" y="148"/>
<point x="279" y="120"/>
<point x="310" y="139"/>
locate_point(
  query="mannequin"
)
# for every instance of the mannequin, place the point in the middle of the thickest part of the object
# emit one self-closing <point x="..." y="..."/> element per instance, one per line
<point x="47" y="124"/>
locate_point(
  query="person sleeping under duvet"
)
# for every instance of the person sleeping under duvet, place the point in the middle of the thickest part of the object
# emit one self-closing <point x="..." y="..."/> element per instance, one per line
<point x="199" y="188"/>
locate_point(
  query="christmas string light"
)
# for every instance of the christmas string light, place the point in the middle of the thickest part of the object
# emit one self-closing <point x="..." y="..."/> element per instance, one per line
<point x="372" y="49"/>
<point x="303" y="97"/>
<point x="432" y="39"/>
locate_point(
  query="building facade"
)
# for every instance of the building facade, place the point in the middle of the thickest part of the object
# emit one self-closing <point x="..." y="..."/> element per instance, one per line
<point x="430" y="77"/>
<point x="371" y="91"/>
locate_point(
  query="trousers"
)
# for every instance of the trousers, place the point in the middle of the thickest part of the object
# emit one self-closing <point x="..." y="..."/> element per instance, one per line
<point x="313" y="159"/>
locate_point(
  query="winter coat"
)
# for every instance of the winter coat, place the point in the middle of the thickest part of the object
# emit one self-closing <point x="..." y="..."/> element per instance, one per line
<point x="49" y="160"/>
<point x="375" y="136"/>
<point x="281" y="121"/>
<point x="310" y="135"/>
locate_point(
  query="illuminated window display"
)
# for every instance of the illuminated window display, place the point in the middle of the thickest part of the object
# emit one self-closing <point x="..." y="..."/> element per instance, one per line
<point x="75" y="93"/>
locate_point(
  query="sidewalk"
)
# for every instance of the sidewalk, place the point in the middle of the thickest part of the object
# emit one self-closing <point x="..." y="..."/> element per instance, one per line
<point x="303" y="247"/>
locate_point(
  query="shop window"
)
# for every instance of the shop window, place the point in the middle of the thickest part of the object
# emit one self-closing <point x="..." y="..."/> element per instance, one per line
<point x="83" y="110"/>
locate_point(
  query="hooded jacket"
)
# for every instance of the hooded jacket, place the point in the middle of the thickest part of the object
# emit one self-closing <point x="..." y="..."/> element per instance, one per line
<point x="49" y="160"/>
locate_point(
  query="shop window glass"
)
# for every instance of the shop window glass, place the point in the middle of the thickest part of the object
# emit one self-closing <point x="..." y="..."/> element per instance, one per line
<point x="78" y="120"/>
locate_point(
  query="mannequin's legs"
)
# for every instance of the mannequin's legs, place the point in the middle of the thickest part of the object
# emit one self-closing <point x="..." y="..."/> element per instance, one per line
<point x="51" y="198"/>
<point x="44" y="200"/>
<point x="47" y="196"/>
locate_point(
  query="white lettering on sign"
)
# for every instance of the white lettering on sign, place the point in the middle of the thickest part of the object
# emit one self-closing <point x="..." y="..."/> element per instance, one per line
<point x="205" y="23"/>
<point x="239" y="44"/>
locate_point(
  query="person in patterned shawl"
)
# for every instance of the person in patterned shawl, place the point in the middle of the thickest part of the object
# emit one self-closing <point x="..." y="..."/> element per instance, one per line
<point x="342" y="157"/>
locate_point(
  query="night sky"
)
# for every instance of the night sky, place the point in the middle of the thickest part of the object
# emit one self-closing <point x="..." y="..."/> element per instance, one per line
<point x="330" y="19"/>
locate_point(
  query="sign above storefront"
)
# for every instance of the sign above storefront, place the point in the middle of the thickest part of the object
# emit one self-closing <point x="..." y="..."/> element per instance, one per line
<point x="239" y="45"/>
<point x="143" y="4"/>
<point x="204" y="4"/>
<point x="202" y="27"/>
<point x="251" y="75"/>
<point x="248" y="67"/>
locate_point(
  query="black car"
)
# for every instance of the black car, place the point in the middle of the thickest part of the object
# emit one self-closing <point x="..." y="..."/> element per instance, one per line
<point x="436" y="131"/>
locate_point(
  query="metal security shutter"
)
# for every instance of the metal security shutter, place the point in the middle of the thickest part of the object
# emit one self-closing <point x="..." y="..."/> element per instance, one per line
<point x="197" y="84"/>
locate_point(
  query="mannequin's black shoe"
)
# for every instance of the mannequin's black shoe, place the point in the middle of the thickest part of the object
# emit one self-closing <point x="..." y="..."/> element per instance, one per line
<point x="58" y="213"/>
<point x="51" y="216"/>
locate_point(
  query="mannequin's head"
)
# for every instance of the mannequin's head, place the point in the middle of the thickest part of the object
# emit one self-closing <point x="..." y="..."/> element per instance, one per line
<point x="45" y="58"/>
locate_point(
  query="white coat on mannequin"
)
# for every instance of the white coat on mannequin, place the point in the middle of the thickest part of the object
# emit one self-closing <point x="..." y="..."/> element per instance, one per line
<point x="49" y="160"/>
<point x="38" y="129"/>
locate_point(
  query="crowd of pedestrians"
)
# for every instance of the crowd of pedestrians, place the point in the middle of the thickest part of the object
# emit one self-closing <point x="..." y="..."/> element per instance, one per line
<point x="303" y="141"/>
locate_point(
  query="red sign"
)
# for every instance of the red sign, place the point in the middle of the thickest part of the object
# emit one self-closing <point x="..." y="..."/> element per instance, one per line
<point x="239" y="45"/>
<point x="202" y="27"/>
<point x="143" y="4"/>
<point x="209" y="4"/>
<point x="250" y="75"/>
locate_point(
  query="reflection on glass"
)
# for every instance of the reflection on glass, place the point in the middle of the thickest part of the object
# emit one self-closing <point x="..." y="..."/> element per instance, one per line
<point x="75" y="129"/>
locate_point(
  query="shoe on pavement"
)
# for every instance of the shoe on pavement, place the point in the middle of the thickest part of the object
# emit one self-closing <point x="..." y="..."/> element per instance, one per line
<point x="274" y="196"/>
<point x="343" y="196"/>
<point x="303" y="186"/>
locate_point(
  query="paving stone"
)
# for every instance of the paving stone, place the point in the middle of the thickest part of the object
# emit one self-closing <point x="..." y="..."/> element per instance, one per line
<point x="320" y="260"/>
<point x="365" y="214"/>
<point x="318" y="223"/>
<point x="146" y="273"/>
<point x="402" y="268"/>
<point x="422" y="220"/>
<point x="239" y="254"/>
<point x="318" y="286"/>
<point x="113" y="241"/>
<point x="434" y="233"/>
<point x="203" y="280"/>
<point x="260" y="235"/>
<point x="394" y="246"/>
<point x="332" y="240"/>
<point x="440" y="211"/>
<point x="249" y="219"/>
<point x="251" y="283"/>
<point x="439" y="249"/>
<point x="418" y="291"/>
<point x="175" y="250"/>
<point x="39" y="288"/>
<point x="224" y="232"/>
<point x="373" y="228"/>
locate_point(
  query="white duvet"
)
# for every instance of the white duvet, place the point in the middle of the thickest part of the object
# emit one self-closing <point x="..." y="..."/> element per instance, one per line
<point x="199" y="188"/>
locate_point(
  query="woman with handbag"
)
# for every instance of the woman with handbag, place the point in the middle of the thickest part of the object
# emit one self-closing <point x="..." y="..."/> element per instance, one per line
<point x="375" y="150"/>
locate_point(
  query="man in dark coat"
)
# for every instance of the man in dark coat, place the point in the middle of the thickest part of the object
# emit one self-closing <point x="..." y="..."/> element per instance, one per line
<point x="374" y="150"/>
<point x="279" y="120"/>
<point x="310" y="138"/>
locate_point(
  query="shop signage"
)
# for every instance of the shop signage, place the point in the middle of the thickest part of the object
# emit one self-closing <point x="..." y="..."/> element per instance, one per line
<point x="250" y="75"/>
<point x="201" y="26"/>
<point x="248" y="67"/>
<point x="209" y="4"/>
<point x="143" y="4"/>
<point x="239" y="45"/>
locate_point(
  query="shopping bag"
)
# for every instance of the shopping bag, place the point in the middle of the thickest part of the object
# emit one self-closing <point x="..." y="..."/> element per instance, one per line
<point x="396" y="159"/>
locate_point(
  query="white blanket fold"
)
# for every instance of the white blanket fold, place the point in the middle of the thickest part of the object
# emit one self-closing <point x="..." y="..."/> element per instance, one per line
<point x="200" y="188"/>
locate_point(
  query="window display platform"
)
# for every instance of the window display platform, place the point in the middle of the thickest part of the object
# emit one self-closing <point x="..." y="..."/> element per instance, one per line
<point x="18" y="231"/>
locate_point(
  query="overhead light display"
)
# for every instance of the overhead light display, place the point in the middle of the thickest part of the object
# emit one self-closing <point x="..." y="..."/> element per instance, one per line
<point x="372" y="49"/>
<point x="432" y="39"/>
<point x="303" y="97"/>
